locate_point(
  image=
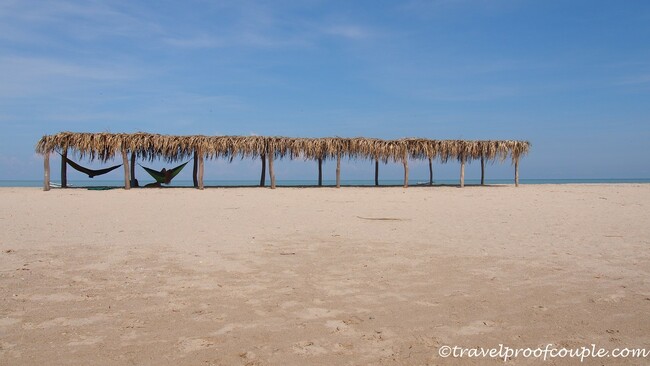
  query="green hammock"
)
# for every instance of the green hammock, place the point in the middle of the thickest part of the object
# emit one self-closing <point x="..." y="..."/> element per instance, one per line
<point x="91" y="172"/>
<point x="164" y="176"/>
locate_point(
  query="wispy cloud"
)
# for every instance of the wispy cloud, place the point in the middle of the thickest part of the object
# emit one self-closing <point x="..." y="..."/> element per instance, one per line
<point x="442" y="8"/>
<point x="198" y="41"/>
<point x="88" y="20"/>
<point x="39" y="67"/>
<point x="239" y="24"/>
<point x="469" y="94"/>
<point x="25" y="76"/>
<point x="348" y="31"/>
<point x="639" y="79"/>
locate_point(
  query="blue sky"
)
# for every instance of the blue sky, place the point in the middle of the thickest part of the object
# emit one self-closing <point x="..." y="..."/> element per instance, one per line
<point x="572" y="77"/>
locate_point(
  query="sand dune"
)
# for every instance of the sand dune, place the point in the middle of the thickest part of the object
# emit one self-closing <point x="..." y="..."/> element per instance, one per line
<point x="320" y="276"/>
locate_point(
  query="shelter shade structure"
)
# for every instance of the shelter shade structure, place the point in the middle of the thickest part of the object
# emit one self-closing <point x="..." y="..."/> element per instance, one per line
<point x="406" y="171"/>
<point x="320" y="172"/>
<point x="200" y="172"/>
<point x="462" y="172"/>
<point x="64" y="169"/>
<point x="271" y="171"/>
<point x="125" y="162"/>
<point x="46" y="169"/>
<point x="482" y="170"/>
<point x="195" y="170"/>
<point x="263" y="176"/>
<point x="376" y="172"/>
<point x="516" y="172"/>
<point x="338" y="170"/>
<point x="173" y="148"/>
<point x="133" y="180"/>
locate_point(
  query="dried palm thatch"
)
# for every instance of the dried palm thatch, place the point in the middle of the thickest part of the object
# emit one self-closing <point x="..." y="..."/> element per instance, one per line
<point x="105" y="146"/>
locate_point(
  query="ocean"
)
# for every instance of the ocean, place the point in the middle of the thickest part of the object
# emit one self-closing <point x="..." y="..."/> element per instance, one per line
<point x="312" y="182"/>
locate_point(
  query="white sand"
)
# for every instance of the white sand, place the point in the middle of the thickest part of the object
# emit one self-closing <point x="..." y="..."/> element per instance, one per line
<point x="320" y="276"/>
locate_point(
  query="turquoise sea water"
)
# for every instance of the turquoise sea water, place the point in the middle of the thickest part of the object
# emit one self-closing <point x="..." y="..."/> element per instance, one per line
<point x="308" y="183"/>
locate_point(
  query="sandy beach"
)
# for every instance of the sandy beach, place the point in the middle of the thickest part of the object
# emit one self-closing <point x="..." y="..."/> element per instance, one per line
<point x="296" y="276"/>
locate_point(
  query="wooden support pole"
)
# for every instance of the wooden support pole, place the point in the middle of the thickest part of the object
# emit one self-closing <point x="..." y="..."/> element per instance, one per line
<point x="482" y="170"/>
<point x="64" y="169"/>
<point x="263" y="177"/>
<point x="405" y="161"/>
<point x="133" y="181"/>
<point x="125" y="163"/>
<point x="46" y="170"/>
<point x="201" y="170"/>
<point x="338" y="170"/>
<point x="430" y="172"/>
<point x="320" y="172"/>
<point x="271" y="171"/>
<point x="462" y="172"/>
<point x="195" y="170"/>
<point x="376" y="172"/>
<point x="517" y="172"/>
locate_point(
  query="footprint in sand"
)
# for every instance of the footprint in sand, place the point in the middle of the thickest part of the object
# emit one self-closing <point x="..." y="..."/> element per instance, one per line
<point x="290" y="304"/>
<point x="232" y="326"/>
<point x="6" y="322"/>
<point x="308" y="348"/>
<point x="353" y="320"/>
<point x="187" y="345"/>
<point x="477" y="327"/>
<point x="617" y="297"/>
<point x="337" y="325"/>
<point x="67" y="322"/>
<point x="344" y="348"/>
<point x="315" y="313"/>
<point x="60" y="297"/>
<point x="86" y="341"/>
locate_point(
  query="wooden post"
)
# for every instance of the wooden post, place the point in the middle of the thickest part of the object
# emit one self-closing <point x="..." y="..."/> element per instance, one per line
<point x="46" y="170"/>
<point x="64" y="169"/>
<point x="462" y="172"/>
<point x="195" y="170"/>
<point x="376" y="172"/>
<point x="338" y="170"/>
<point x="430" y="172"/>
<point x="482" y="170"/>
<point x="517" y="172"/>
<point x="271" y="171"/>
<point x="133" y="169"/>
<point x="201" y="170"/>
<point x="320" y="172"/>
<point x="125" y="163"/>
<point x="263" y="177"/>
<point x="405" y="161"/>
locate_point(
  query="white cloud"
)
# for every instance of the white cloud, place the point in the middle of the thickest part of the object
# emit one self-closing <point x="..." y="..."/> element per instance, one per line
<point x="635" y="80"/>
<point x="25" y="76"/>
<point x="199" y="41"/>
<point x="349" y="31"/>
<point x="48" y="67"/>
<point x="476" y="93"/>
<point x="47" y="21"/>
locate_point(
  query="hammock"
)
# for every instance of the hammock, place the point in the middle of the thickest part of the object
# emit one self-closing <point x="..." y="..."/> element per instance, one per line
<point x="164" y="176"/>
<point x="91" y="172"/>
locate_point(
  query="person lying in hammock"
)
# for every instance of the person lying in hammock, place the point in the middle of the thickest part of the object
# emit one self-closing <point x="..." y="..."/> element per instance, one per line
<point x="164" y="176"/>
<point x="167" y="174"/>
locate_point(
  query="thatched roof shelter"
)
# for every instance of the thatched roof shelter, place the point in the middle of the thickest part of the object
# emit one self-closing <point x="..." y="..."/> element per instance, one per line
<point x="147" y="146"/>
